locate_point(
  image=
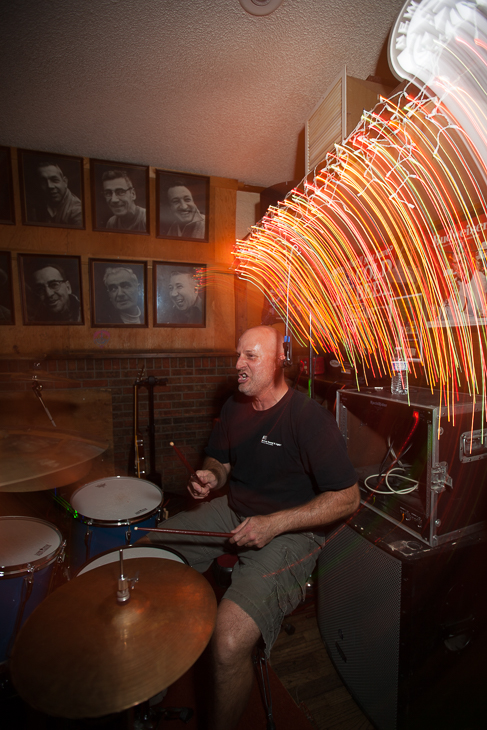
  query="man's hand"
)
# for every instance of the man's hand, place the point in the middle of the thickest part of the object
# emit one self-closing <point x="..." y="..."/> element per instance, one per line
<point x="208" y="479"/>
<point x="254" y="531"/>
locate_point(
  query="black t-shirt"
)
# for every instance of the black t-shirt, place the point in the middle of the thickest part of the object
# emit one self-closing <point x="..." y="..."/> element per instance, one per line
<point x="281" y="457"/>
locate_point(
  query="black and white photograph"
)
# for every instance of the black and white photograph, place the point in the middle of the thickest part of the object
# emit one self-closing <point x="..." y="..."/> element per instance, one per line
<point x="7" y="210"/>
<point x="120" y="197"/>
<point x="6" y="297"/>
<point x="51" y="289"/>
<point x="180" y="294"/>
<point x="182" y="205"/>
<point x="51" y="189"/>
<point x="118" y="293"/>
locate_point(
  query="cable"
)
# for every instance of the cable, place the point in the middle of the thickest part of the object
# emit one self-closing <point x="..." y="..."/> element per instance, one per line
<point x="391" y="489"/>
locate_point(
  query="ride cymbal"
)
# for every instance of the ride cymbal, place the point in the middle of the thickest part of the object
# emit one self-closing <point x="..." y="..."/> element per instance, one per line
<point x="81" y="654"/>
<point x="37" y="376"/>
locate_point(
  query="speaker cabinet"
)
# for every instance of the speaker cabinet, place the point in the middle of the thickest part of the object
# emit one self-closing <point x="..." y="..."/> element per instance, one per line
<point x="404" y="624"/>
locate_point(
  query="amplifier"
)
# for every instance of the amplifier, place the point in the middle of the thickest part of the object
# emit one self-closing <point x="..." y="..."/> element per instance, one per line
<point x="420" y="467"/>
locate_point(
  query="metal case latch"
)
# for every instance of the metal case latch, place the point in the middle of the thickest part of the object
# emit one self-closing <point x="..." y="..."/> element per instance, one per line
<point x="440" y="479"/>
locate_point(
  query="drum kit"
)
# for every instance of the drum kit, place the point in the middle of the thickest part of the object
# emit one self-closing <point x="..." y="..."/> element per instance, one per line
<point x="101" y="642"/>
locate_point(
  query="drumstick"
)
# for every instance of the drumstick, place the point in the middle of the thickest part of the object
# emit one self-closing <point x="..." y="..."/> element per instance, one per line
<point x="188" y="466"/>
<point x="185" y="532"/>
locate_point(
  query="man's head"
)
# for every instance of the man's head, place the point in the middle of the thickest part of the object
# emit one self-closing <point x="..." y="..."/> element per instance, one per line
<point x="52" y="181"/>
<point x="52" y="289"/>
<point x="123" y="289"/>
<point x="183" y="289"/>
<point x="119" y="192"/>
<point x="260" y="360"/>
<point x="181" y="202"/>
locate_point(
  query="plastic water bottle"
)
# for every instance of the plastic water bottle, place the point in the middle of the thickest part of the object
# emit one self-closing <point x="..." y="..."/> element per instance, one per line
<point x="399" y="382"/>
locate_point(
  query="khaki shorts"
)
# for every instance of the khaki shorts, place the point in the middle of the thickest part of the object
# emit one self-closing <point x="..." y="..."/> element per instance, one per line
<point x="267" y="583"/>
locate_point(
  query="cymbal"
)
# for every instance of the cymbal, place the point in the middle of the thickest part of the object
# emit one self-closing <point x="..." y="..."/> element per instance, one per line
<point x="32" y="460"/>
<point x="81" y="654"/>
<point x="37" y="376"/>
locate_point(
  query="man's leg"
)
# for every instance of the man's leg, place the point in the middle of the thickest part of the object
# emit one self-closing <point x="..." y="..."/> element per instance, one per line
<point x="232" y="644"/>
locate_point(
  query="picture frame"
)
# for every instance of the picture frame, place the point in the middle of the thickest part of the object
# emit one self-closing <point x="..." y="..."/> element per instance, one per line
<point x="7" y="207"/>
<point x="182" y="201"/>
<point x="179" y="294"/>
<point x="51" y="189"/>
<point x="51" y="289"/>
<point x="7" y="315"/>
<point x="120" y="197"/>
<point x="118" y="293"/>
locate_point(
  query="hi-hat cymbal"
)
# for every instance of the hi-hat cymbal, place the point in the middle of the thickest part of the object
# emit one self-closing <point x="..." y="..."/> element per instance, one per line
<point x="81" y="654"/>
<point x="32" y="460"/>
<point x="37" y="376"/>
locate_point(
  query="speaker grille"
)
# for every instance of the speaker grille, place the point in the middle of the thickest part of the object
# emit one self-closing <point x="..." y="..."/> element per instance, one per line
<point x="359" y="603"/>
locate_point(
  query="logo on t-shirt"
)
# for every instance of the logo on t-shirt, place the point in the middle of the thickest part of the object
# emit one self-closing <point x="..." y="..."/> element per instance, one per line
<point x="268" y="443"/>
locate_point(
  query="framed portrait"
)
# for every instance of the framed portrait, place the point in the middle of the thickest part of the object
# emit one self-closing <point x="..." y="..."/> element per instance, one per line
<point x="180" y="294"/>
<point x="51" y="189"/>
<point x="182" y="206"/>
<point x="118" y="293"/>
<point x="51" y="289"/>
<point x="6" y="295"/>
<point x="7" y="210"/>
<point x="120" y="197"/>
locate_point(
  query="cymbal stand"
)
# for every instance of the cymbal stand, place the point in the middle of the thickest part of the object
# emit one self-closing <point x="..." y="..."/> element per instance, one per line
<point x="37" y="388"/>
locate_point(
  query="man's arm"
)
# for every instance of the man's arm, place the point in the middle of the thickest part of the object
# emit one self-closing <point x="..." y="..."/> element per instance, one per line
<point x="213" y="476"/>
<point x="328" y="507"/>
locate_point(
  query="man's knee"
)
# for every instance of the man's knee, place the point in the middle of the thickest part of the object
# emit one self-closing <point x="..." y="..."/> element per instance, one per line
<point x="235" y="636"/>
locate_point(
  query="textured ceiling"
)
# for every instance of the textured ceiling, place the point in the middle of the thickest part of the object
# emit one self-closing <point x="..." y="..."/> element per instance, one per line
<point x="193" y="85"/>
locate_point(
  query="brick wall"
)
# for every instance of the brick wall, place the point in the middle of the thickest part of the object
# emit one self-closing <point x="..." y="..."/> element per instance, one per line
<point x="184" y="410"/>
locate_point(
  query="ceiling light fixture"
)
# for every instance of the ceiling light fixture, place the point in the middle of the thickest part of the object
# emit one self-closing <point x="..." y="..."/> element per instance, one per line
<point x="260" y="7"/>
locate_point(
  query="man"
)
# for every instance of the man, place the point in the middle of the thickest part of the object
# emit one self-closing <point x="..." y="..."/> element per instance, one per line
<point x="59" y="205"/>
<point x="123" y="291"/>
<point x="120" y="196"/>
<point x="189" y="222"/>
<point x="54" y="296"/>
<point x="185" y="297"/>
<point x="289" y="476"/>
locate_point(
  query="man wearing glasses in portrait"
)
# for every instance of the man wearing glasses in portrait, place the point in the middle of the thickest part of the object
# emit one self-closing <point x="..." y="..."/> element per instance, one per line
<point x="53" y="296"/>
<point x="120" y="196"/>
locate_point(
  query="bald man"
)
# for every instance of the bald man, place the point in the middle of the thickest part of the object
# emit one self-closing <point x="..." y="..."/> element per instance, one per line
<point x="288" y="477"/>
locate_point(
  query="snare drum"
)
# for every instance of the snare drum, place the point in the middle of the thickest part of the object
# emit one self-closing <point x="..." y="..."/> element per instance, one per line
<point x="105" y="512"/>
<point x="29" y="548"/>
<point x="133" y="551"/>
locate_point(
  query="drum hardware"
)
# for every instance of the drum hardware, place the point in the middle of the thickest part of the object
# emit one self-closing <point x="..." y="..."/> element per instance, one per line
<point x="137" y="458"/>
<point x="35" y="378"/>
<point x="83" y="655"/>
<point x="125" y="585"/>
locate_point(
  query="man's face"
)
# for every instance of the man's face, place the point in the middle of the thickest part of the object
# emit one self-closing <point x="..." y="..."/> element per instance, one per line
<point x="52" y="290"/>
<point x="182" y="204"/>
<point x="183" y="290"/>
<point x="257" y="362"/>
<point x="53" y="183"/>
<point x="120" y="196"/>
<point x="123" y="291"/>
